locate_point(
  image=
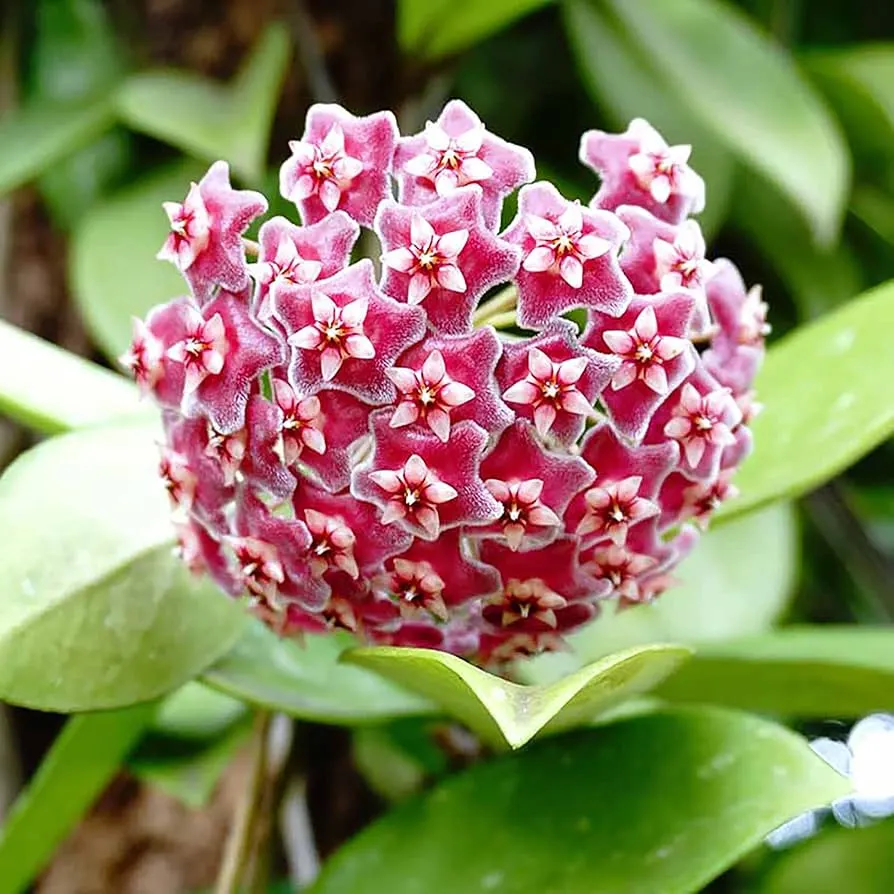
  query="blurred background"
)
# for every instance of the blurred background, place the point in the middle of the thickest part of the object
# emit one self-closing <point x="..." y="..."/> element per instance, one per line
<point x="109" y="108"/>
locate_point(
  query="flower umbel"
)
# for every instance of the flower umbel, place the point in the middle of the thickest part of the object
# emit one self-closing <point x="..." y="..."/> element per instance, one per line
<point x="396" y="455"/>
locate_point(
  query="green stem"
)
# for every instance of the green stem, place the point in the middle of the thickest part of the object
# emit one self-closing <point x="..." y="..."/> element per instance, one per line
<point x="498" y="321"/>
<point x="239" y="848"/>
<point x="504" y="300"/>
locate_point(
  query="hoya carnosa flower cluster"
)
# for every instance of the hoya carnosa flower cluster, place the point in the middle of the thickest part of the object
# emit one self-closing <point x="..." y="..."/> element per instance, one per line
<point x="374" y="452"/>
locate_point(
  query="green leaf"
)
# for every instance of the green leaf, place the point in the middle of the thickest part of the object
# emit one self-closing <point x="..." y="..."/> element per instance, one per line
<point x="659" y="803"/>
<point x="822" y="671"/>
<point x="83" y="759"/>
<point x="750" y="93"/>
<point x="76" y="54"/>
<point x="818" y="277"/>
<point x="736" y="582"/>
<point x="96" y="612"/>
<point x="856" y="861"/>
<point x="823" y="407"/>
<point x="39" y="135"/>
<point x="206" y="119"/>
<point x="53" y="390"/>
<point x="112" y="265"/>
<point x="504" y="713"/>
<point x="432" y="29"/>
<point x="197" y="712"/>
<point x="875" y="207"/>
<point x="623" y="83"/>
<point x="857" y="82"/>
<point x="188" y="770"/>
<point x="307" y="681"/>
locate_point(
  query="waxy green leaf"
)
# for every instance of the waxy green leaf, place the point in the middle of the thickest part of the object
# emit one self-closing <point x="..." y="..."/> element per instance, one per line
<point x="659" y="803"/>
<point x="856" y="861"/>
<point x="825" y="404"/>
<point x="432" y="29"/>
<point x="504" y="713"/>
<point x="820" y="671"/>
<point x="95" y="611"/>
<point x="207" y="119"/>
<point x="53" y="390"/>
<point x="624" y="84"/>
<point x="115" y="244"/>
<point x="736" y="582"/>
<point x="306" y="680"/>
<point x="749" y="92"/>
<point x="40" y="134"/>
<point x="82" y="761"/>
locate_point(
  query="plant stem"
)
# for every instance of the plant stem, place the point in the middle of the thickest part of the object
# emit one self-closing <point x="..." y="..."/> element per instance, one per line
<point x="238" y="853"/>
<point x="507" y="318"/>
<point x="502" y="301"/>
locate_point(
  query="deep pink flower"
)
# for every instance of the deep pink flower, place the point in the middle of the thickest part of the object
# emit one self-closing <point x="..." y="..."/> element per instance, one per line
<point x="650" y="340"/>
<point x="223" y="350"/>
<point x="533" y="504"/>
<point x="553" y="381"/>
<point x="423" y="484"/>
<point x="205" y="242"/>
<point x="442" y="256"/>
<point x="300" y="255"/>
<point x="457" y="150"/>
<point x="469" y="362"/>
<point x="639" y="168"/>
<point x="344" y="333"/>
<point x="363" y="458"/>
<point x="701" y="417"/>
<point x="144" y="358"/>
<point x="341" y="162"/>
<point x="569" y="257"/>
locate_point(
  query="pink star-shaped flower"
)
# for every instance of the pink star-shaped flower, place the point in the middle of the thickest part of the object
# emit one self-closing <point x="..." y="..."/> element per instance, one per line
<point x="436" y="576"/>
<point x="662" y="257"/>
<point x="195" y="481"/>
<point x="443" y="256"/>
<point x="627" y="485"/>
<point x="469" y="362"/>
<point x="345" y="333"/>
<point x="316" y="432"/>
<point x="341" y="162"/>
<point x="621" y="569"/>
<point x="144" y="359"/>
<point x="205" y="242"/>
<point x="202" y="349"/>
<point x="373" y="542"/>
<point x="569" y="257"/>
<point x="533" y="486"/>
<point x="649" y="340"/>
<point x="454" y="151"/>
<point x="428" y="394"/>
<point x="556" y="564"/>
<point x="682" y="499"/>
<point x="300" y="255"/>
<point x="336" y="332"/>
<point x="639" y="168"/>
<point x="263" y="538"/>
<point x="223" y="350"/>
<point x="423" y="484"/>
<point x="701" y="419"/>
<point x="228" y="450"/>
<point x="553" y="381"/>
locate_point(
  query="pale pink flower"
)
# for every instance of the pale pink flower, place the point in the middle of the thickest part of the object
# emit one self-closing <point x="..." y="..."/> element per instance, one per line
<point x="413" y="491"/>
<point x="428" y="395"/>
<point x="203" y="349"/>
<point x="332" y="544"/>
<point x="613" y="507"/>
<point x="550" y="388"/>
<point x="429" y="259"/>
<point x="337" y="333"/>
<point x="522" y="508"/>
<point x="644" y="351"/>
<point x="681" y="263"/>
